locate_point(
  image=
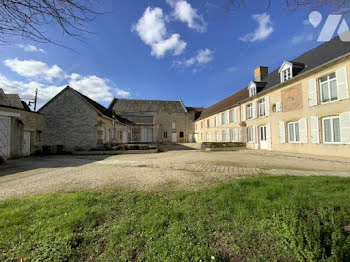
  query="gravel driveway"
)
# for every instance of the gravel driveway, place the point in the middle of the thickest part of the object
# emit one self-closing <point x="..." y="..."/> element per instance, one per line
<point x="173" y="170"/>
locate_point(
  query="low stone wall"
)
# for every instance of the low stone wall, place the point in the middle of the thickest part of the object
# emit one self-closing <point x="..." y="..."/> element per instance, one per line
<point x="222" y="146"/>
<point x="115" y="152"/>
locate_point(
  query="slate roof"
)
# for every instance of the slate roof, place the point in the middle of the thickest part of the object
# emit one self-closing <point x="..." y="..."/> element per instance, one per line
<point x="197" y="111"/>
<point x="226" y="103"/>
<point x="138" y="105"/>
<point x="310" y="60"/>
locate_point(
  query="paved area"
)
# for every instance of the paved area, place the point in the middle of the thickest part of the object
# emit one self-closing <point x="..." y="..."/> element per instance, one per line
<point x="171" y="170"/>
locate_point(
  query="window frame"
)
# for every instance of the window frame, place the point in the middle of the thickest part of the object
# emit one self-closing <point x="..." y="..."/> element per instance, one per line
<point x="332" y="129"/>
<point x="286" y="74"/>
<point x="294" y="129"/>
<point x="250" y="110"/>
<point x="165" y="134"/>
<point x="328" y="81"/>
<point x="250" y="134"/>
<point x="232" y="116"/>
<point x="262" y="102"/>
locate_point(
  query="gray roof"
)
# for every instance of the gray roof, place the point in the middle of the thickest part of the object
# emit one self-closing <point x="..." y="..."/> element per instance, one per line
<point x="137" y="105"/>
<point x="308" y="61"/>
<point x="311" y="59"/>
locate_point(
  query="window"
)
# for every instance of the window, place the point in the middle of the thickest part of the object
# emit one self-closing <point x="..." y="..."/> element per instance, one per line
<point x="173" y="125"/>
<point x="38" y="136"/>
<point x="328" y="86"/>
<point x="215" y="122"/>
<point x="293" y="132"/>
<point x="286" y="74"/>
<point x="251" y="137"/>
<point x="250" y="111"/>
<point x="165" y="135"/>
<point x="202" y="125"/>
<point x="331" y="130"/>
<point x="222" y="118"/>
<point x="262" y="133"/>
<point x="252" y="90"/>
<point x="181" y="134"/>
<point x="208" y="123"/>
<point x="217" y="134"/>
<point x="262" y="107"/>
<point x="232" y="116"/>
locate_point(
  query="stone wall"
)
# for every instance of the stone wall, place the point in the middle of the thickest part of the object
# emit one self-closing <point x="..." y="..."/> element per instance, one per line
<point x="71" y="122"/>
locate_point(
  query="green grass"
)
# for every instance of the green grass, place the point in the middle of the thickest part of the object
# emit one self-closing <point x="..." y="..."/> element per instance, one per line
<point x="253" y="219"/>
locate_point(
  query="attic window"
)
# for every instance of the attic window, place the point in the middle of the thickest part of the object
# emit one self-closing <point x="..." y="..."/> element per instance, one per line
<point x="286" y="74"/>
<point x="252" y="90"/>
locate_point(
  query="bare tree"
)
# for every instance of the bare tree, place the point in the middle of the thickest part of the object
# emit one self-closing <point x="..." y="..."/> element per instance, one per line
<point x="30" y="19"/>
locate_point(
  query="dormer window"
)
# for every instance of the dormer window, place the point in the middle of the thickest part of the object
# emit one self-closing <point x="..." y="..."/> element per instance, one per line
<point x="252" y="89"/>
<point x="288" y="70"/>
<point x="286" y="74"/>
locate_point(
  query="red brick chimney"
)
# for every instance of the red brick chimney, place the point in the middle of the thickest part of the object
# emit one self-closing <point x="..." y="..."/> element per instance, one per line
<point x="260" y="73"/>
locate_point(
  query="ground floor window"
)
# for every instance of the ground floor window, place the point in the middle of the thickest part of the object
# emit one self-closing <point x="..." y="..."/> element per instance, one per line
<point x="165" y="134"/>
<point x="181" y="134"/>
<point x="250" y="131"/>
<point x="293" y="132"/>
<point x="331" y="130"/>
<point x="263" y="133"/>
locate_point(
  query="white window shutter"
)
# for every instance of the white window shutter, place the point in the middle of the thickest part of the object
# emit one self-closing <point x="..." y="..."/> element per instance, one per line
<point x="342" y="83"/>
<point x="312" y="92"/>
<point x="282" y="132"/>
<point x="315" y="130"/>
<point x="219" y="120"/>
<point x="235" y="114"/>
<point x="268" y="136"/>
<point x="244" y="134"/>
<point x="279" y="107"/>
<point x="303" y="131"/>
<point x="345" y="127"/>
<point x="227" y="117"/>
<point x="256" y="136"/>
<point x="235" y="135"/>
<point x="243" y="111"/>
<point x="267" y="106"/>
<point x="254" y="110"/>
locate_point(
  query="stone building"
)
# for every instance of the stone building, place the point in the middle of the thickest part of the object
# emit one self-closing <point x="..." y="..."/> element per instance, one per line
<point x="76" y="122"/>
<point x="302" y="107"/>
<point x="21" y="130"/>
<point x="157" y="120"/>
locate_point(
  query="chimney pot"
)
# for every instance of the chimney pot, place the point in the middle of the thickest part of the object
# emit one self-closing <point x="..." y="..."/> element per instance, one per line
<point x="260" y="73"/>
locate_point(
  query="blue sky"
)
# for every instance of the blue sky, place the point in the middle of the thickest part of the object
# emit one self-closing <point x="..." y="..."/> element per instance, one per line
<point x="161" y="49"/>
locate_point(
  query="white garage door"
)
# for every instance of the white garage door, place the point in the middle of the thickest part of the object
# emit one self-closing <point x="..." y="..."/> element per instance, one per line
<point x="5" y="136"/>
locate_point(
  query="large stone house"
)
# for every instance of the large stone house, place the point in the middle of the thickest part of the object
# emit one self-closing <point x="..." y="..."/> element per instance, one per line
<point x="157" y="120"/>
<point x="21" y="130"/>
<point x="76" y="122"/>
<point x="302" y="107"/>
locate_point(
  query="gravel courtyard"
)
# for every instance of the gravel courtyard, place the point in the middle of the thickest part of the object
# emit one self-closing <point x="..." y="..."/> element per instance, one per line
<point x="172" y="170"/>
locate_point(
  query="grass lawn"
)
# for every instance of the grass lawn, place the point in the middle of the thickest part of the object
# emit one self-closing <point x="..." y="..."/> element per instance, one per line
<point x="253" y="219"/>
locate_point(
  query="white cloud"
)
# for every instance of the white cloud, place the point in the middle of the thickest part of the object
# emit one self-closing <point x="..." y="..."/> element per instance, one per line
<point x="31" y="48"/>
<point x="33" y="68"/>
<point x="96" y="88"/>
<point x="297" y="39"/>
<point x="26" y="91"/>
<point x="152" y="30"/>
<point x="263" y="31"/>
<point x="184" y="12"/>
<point x="204" y="56"/>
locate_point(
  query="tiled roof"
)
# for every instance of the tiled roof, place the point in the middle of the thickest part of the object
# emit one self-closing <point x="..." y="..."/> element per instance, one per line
<point x="225" y="103"/>
<point x="138" y="105"/>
